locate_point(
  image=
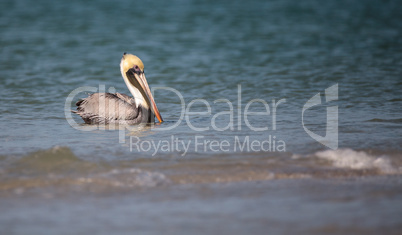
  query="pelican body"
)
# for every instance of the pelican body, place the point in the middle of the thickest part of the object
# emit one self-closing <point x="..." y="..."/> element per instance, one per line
<point x="105" y="108"/>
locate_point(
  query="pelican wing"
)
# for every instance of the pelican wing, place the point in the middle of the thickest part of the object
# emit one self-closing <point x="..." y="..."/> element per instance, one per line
<point x="102" y="108"/>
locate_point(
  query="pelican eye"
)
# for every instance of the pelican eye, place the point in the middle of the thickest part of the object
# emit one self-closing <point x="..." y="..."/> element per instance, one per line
<point x="136" y="69"/>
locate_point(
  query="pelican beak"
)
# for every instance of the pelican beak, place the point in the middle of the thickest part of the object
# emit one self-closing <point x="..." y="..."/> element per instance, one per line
<point x="140" y="77"/>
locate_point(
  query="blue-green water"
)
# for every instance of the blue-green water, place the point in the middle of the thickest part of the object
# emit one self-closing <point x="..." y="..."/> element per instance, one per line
<point x="270" y="50"/>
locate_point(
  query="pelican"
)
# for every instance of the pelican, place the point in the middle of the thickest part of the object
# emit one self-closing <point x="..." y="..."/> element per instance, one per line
<point x="105" y="108"/>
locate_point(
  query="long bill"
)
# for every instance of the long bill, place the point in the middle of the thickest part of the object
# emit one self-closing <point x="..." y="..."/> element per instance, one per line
<point x="145" y="87"/>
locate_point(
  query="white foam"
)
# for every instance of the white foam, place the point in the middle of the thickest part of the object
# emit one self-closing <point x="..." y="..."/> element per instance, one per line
<point x="133" y="177"/>
<point x="348" y="158"/>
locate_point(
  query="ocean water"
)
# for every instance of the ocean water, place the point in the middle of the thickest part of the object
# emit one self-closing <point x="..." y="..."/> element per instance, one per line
<point x="212" y="166"/>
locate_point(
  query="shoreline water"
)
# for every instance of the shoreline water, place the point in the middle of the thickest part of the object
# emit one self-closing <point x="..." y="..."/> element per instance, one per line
<point x="286" y="206"/>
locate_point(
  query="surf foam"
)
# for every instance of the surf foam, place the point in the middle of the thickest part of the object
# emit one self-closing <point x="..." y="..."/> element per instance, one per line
<point x="358" y="160"/>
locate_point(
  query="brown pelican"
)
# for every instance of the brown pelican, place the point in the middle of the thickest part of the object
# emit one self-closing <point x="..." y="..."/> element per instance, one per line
<point x="104" y="108"/>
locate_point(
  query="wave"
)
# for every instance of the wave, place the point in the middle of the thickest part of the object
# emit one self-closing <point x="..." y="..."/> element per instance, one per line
<point x="59" y="168"/>
<point x="395" y="120"/>
<point x="358" y="160"/>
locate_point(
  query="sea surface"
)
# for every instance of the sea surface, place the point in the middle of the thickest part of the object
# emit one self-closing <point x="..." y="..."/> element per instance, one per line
<point x="280" y="117"/>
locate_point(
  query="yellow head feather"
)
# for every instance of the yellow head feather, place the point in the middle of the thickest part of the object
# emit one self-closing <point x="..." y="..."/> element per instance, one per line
<point x="129" y="61"/>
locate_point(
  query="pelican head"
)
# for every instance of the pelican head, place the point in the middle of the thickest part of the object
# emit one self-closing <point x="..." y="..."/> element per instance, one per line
<point x="132" y="70"/>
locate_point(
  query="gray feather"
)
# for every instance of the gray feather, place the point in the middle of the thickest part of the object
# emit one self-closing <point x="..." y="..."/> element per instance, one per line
<point x="104" y="108"/>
